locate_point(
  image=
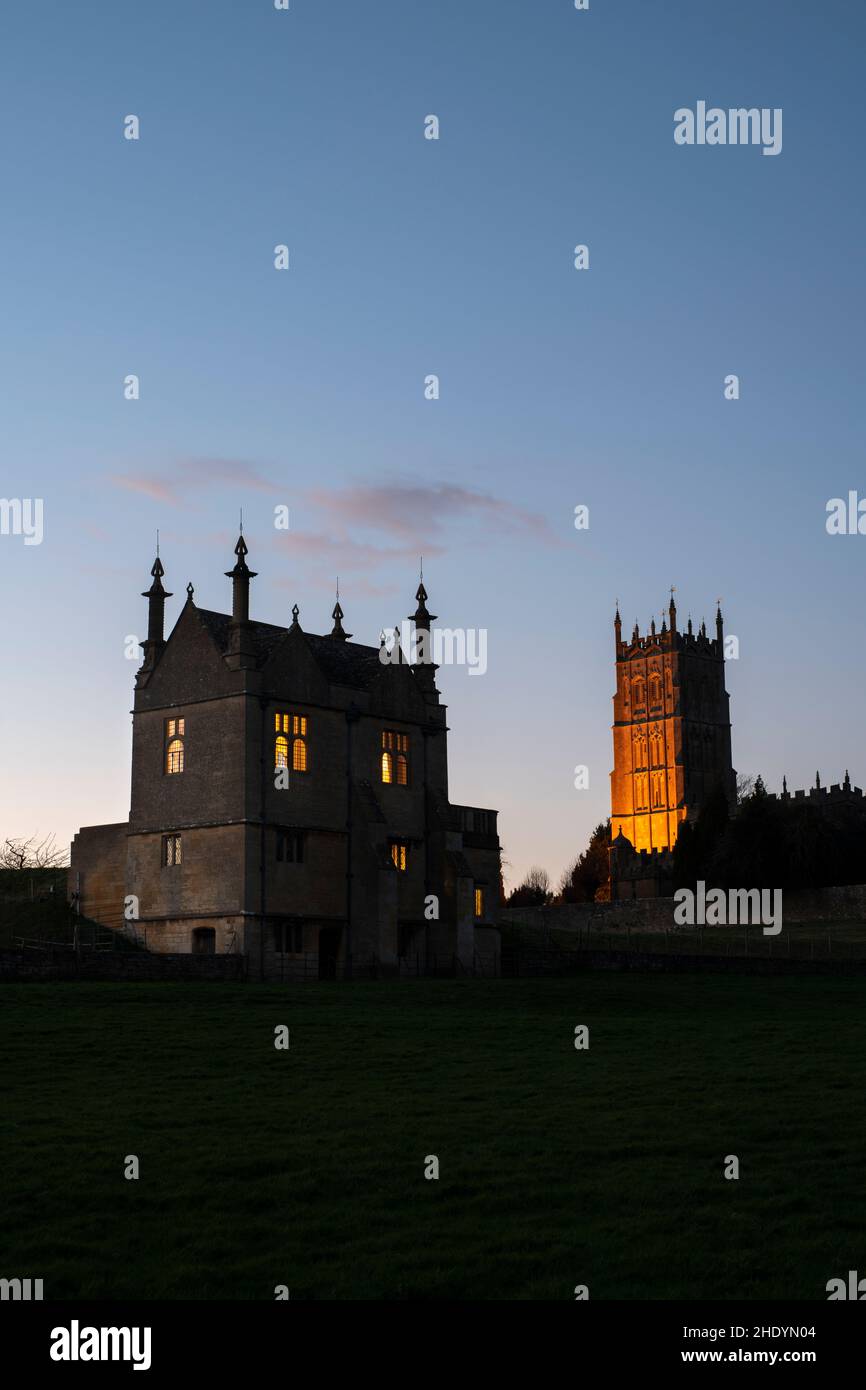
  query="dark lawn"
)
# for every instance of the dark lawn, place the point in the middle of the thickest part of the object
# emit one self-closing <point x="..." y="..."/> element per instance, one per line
<point x="558" y="1167"/>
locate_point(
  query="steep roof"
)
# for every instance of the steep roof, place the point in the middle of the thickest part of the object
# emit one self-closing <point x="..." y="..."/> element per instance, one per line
<point x="342" y="663"/>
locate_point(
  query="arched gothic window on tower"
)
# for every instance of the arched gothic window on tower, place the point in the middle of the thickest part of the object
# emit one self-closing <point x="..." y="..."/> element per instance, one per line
<point x="640" y="746"/>
<point x="658" y="747"/>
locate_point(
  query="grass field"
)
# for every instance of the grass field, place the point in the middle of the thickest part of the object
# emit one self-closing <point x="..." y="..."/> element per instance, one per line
<point x="828" y="939"/>
<point x="558" y="1167"/>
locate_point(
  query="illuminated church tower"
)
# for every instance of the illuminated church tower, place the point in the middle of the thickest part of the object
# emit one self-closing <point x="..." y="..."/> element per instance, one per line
<point x="671" y="730"/>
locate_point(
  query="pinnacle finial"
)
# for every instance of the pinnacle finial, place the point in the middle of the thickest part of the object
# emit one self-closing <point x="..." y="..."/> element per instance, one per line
<point x="421" y="618"/>
<point x="338" y="615"/>
<point x="240" y="577"/>
<point x="156" y="596"/>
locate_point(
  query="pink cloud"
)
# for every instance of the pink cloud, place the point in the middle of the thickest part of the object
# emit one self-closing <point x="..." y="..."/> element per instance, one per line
<point x="415" y="512"/>
<point x="343" y="554"/>
<point x="189" y="474"/>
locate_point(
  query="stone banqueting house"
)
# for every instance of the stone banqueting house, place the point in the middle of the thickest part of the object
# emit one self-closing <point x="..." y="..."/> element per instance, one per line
<point x="290" y="801"/>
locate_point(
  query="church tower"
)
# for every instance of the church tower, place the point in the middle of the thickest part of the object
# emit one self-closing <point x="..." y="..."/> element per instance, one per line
<point x="671" y="729"/>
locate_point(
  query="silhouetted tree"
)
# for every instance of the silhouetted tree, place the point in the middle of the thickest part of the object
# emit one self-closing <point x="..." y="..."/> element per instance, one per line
<point x="31" y="853"/>
<point x="534" y="891"/>
<point x="591" y="870"/>
<point x="699" y="843"/>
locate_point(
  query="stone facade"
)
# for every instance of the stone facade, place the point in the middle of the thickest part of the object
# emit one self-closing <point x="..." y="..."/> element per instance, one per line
<point x="290" y="800"/>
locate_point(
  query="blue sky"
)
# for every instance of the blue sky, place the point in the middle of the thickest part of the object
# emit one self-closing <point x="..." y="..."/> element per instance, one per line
<point x="453" y="257"/>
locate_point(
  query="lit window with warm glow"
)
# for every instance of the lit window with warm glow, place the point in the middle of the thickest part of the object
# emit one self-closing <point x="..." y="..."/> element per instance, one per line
<point x="395" y="758"/>
<point x="479" y="902"/>
<point x="290" y="746"/>
<point x="400" y="854"/>
<point x="174" y="735"/>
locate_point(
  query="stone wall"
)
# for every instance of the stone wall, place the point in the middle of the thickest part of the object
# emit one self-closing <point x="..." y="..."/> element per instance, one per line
<point x="649" y="914"/>
<point x="117" y="965"/>
<point x="97" y="868"/>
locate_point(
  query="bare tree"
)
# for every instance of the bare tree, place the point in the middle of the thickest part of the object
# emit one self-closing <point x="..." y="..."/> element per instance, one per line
<point x="534" y="891"/>
<point x="566" y="881"/>
<point x="745" y="786"/>
<point x="32" y="853"/>
<point x="538" y="880"/>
